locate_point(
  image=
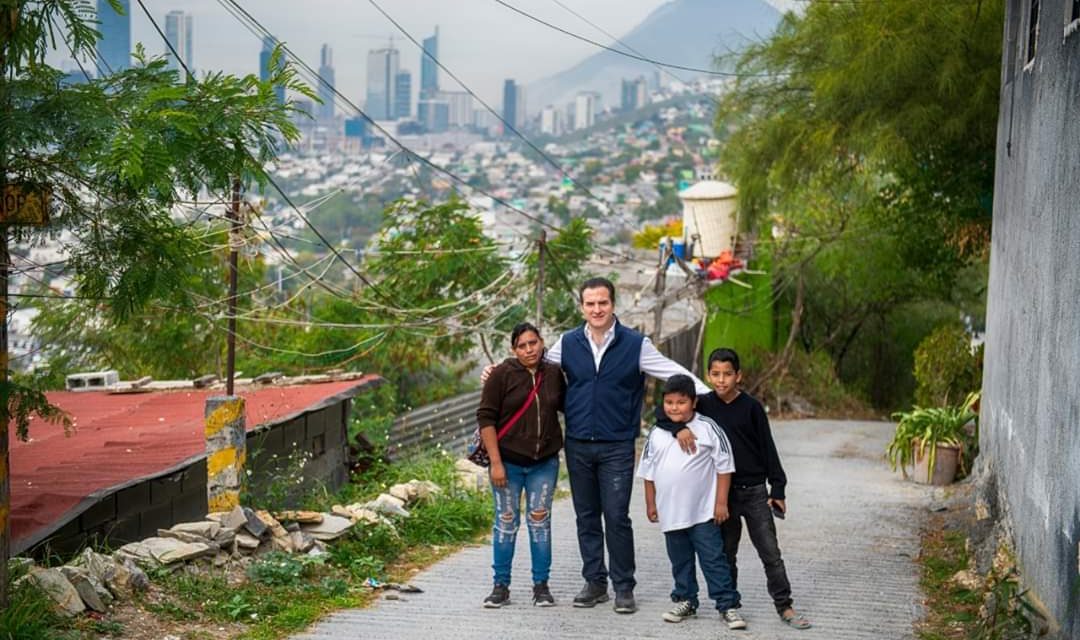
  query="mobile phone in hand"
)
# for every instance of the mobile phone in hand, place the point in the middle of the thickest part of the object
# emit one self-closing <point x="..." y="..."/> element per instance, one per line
<point x="777" y="513"/>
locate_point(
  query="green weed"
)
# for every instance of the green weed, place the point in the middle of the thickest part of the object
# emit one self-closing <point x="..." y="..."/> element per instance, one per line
<point x="29" y="615"/>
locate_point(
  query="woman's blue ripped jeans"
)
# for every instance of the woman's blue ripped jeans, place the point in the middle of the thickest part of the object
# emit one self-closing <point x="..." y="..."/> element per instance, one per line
<point x="538" y="483"/>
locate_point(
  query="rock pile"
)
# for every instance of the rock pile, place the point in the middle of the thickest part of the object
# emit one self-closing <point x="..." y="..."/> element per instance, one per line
<point x="94" y="580"/>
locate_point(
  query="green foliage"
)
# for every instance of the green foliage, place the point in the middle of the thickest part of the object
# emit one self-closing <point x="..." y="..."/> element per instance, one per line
<point x="29" y="615"/>
<point x="920" y="431"/>
<point x="279" y="569"/>
<point x="946" y="367"/>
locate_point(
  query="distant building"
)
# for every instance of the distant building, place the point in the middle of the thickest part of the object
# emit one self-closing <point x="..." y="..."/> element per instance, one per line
<point x="585" y="105"/>
<point x="180" y="33"/>
<point x="635" y="93"/>
<point x="1029" y="419"/>
<point x="551" y="121"/>
<point x="326" y="94"/>
<point x="265" y="57"/>
<point x="402" y="95"/>
<point x="461" y="107"/>
<point x="114" y="48"/>
<point x="382" y="70"/>
<point x="429" y="71"/>
<point x="434" y="115"/>
<point x="513" y="106"/>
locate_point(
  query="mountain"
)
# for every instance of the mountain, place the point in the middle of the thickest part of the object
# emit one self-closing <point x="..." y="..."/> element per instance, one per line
<point x="683" y="32"/>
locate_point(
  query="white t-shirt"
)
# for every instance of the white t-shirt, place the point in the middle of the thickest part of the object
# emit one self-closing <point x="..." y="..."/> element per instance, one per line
<point x="686" y="483"/>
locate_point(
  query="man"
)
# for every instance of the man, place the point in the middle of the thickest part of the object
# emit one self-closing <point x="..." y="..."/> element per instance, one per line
<point x="605" y="363"/>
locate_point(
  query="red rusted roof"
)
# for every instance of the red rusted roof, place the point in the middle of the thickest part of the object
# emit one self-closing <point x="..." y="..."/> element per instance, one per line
<point x="122" y="437"/>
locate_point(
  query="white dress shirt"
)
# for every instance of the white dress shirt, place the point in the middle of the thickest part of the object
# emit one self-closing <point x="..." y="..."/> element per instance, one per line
<point x="651" y="361"/>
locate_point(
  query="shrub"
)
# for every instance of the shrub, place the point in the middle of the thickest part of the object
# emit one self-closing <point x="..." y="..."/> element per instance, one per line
<point x="29" y="615"/>
<point x="946" y="368"/>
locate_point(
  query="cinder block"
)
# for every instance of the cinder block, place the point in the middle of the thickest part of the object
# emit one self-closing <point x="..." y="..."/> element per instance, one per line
<point x="103" y="511"/>
<point x="122" y="531"/>
<point x="166" y="488"/>
<point x="189" y="507"/>
<point x="134" y="499"/>
<point x="194" y="478"/>
<point x="159" y="516"/>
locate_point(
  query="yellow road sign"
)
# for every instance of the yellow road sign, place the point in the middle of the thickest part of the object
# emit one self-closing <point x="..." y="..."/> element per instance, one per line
<point x="24" y="205"/>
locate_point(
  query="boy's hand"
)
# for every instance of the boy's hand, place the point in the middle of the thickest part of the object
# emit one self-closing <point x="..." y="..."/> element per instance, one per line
<point x="720" y="513"/>
<point x="485" y="373"/>
<point x="778" y="504"/>
<point x="687" y="441"/>
<point x="651" y="514"/>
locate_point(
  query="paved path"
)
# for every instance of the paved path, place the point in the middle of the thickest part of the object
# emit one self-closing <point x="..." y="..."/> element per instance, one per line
<point x="848" y="542"/>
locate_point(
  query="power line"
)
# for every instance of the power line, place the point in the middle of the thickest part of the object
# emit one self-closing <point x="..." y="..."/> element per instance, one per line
<point x="711" y="72"/>
<point x="253" y="25"/>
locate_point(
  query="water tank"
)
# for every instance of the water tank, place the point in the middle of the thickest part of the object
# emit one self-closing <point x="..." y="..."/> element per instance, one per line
<point x="709" y="213"/>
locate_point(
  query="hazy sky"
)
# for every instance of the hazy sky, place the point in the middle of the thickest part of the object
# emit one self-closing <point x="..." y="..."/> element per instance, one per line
<point x="480" y="41"/>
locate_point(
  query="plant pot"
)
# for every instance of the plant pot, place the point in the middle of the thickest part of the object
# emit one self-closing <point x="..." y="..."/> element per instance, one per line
<point x="946" y="462"/>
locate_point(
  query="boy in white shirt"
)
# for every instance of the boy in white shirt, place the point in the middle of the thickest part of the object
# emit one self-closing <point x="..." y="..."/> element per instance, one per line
<point x="687" y="494"/>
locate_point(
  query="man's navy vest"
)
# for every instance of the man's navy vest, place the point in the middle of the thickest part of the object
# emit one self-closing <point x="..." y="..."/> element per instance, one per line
<point x="604" y="404"/>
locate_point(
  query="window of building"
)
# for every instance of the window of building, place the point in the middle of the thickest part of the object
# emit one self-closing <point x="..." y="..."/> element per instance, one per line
<point x="1072" y="20"/>
<point x="1033" y="30"/>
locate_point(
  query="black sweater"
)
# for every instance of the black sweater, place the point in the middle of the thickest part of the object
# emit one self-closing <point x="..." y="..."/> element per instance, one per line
<point x="747" y="427"/>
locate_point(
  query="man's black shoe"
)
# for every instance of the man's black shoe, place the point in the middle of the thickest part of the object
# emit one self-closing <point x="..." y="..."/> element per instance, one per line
<point x="591" y="594"/>
<point x="624" y="602"/>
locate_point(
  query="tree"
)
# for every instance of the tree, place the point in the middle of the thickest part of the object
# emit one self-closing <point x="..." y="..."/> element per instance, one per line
<point x="117" y="154"/>
<point x="862" y="134"/>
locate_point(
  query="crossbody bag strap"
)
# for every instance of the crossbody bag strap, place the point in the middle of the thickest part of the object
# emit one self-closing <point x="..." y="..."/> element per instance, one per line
<point x="521" y="411"/>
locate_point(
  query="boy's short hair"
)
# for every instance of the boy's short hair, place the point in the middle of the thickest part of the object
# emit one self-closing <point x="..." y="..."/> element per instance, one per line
<point x="682" y="384"/>
<point x="724" y="354"/>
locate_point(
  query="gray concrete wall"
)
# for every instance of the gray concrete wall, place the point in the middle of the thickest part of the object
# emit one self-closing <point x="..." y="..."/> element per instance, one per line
<point x="1030" y="424"/>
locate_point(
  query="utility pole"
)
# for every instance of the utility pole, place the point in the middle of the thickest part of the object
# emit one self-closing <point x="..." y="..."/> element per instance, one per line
<point x="541" y="249"/>
<point x="661" y="284"/>
<point x="234" y="241"/>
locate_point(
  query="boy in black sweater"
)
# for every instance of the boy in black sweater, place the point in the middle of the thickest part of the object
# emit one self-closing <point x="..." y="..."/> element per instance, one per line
<point x="744" y="422"/>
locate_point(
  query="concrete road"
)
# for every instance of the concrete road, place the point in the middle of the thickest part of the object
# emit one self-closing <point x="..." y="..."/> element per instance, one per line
<point x="849" y="543"/>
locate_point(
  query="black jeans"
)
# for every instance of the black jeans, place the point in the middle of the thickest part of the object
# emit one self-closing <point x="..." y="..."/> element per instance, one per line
<point x="704" y="540"/>
<point x="601" y="479"/>
<point x="752" y="504"/>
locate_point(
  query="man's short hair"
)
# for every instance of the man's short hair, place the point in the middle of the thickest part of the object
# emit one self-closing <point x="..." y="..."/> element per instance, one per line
<point x="724" y="354"/>
<point x="682" y="384"/>
<point x="596" y="283"/>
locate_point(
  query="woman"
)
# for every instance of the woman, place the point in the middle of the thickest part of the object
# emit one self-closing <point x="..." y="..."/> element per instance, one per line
<point x="524" y="392"/>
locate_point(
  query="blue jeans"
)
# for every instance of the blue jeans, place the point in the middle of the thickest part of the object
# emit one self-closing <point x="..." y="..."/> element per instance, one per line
<point x="705" y="540"/>
<point x="538" y="483"/>
<point x="752" y="503"/>
<point x="601" y="479"/>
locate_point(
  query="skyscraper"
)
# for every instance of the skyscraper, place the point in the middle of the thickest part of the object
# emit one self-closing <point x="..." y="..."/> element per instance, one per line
<point x="429" y="71"/>
<point x="584" y="110"/>
<point x="326" y="94"/>
<point x="265" y="57"/>
<point x="635" y="93"/>
<point x="382" y="70"/>
<point x="513" y="112"/>
<point x="402" y="94"/>
<point x="179" y="31"/>
<point x="114" y="48"/>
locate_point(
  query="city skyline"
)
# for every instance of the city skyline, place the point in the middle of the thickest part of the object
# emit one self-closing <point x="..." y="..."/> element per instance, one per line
<point x="510" y="47"/>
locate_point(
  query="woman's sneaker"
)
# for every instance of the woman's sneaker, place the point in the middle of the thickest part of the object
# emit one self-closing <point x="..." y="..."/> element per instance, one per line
<point x="681" y="611"/>
<point x="500" y="595"/>
<point x="542" y="595"/>
<point x="733" y="619"/>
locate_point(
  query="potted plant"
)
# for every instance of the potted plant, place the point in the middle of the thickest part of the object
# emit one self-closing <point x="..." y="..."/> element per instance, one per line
<point x="924" y="433"/>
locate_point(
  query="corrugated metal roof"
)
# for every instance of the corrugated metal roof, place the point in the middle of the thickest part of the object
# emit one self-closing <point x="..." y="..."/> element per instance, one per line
<point x="120" y="438"/>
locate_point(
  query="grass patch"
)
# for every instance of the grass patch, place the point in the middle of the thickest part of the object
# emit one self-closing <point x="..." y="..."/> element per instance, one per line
<point x="952" y="610"/>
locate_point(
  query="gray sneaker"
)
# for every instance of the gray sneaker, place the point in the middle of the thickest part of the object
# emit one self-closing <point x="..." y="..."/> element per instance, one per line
<point x="624" y="602"/>
<point x="733" y="619"/>
<point x="591" y="594"/>
<point x="500" y="595"/>
<point x="681" y="611"/>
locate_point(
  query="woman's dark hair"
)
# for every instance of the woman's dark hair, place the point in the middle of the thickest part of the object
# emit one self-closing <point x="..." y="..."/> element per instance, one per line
<point x="521" y="328"/>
